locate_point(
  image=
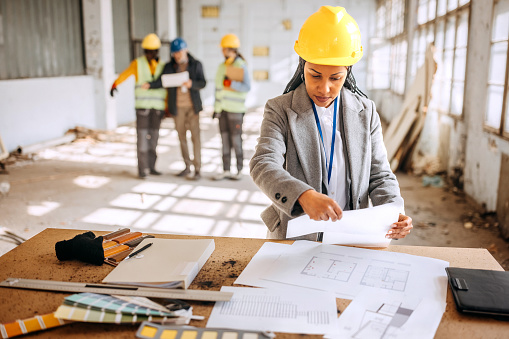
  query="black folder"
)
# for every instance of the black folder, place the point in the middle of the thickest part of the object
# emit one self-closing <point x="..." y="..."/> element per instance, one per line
<point x="480" y="291"/>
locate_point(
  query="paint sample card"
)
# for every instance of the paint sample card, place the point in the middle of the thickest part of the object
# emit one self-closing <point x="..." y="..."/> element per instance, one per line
<point x="148" y="330"/>
<point x="108" y="303"/>
<point x="276" y="311"/>
<point x="75" y="313"/>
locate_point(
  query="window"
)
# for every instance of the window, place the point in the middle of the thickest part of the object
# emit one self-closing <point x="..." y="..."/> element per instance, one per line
<point x="497" y="117"/>
<point x="423" y="36"/>
<point x="444" y="22"/>
<point x="388" y="59"/>
<point x="398" y="65"/>
<point x="40" y="39"/>
<point x="132" y="21"/>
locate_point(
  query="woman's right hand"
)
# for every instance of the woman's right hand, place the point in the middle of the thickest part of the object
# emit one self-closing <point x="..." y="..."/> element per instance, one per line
<point x="319" y="206"/>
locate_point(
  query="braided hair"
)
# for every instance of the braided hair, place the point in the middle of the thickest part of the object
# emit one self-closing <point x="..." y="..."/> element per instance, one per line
<point x="298" y="78"/>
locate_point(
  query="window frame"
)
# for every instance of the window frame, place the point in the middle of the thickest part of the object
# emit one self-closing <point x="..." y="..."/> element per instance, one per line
<point x="393" y="35"/>
<point x="501" y="130"/>
<point x="461" y="8"/>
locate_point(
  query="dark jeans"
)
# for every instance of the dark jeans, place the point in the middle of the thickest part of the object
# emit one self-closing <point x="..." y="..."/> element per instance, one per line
<point x="148" y="122"/>
<point x="230" y="126"/>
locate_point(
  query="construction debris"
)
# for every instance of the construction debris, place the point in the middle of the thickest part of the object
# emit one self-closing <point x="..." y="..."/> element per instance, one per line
<point x="4" y="188"/>
<point x="9" y="236"/>
<point x="403" y="131"/>
<point x="435" y="181"/>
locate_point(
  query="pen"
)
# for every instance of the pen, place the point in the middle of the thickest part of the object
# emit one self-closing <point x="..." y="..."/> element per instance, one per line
<point x="138" y="251"/>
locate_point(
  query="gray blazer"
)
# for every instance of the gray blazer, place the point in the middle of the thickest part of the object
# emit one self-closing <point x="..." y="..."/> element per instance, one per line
<point x="288" y="160"/>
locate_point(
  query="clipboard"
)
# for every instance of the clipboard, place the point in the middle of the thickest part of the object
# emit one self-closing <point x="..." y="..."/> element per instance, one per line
<point x="235" y="73"/>
<point x="174" y="79"/>
<point x="480" y="291"/>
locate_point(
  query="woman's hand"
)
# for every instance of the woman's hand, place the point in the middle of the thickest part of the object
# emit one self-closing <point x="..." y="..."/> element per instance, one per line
<point x="401" y="228"/>
<point x="145" y="86"/>
<point x="319" y="206"/>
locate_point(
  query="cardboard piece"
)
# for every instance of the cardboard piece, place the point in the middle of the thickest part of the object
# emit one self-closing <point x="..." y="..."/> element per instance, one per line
<point x="168" y="263"/>
<point x="235" y="73"/>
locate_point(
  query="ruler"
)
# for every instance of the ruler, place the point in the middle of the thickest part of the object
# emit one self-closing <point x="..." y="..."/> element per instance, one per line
<point x="73" y="287"/>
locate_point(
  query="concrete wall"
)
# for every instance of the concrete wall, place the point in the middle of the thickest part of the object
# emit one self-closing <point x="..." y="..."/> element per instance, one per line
<point x="49" y="107"/>
<point x="260" y="23"/>
<point x="483" y="150"/>
<point x="36" y="110"/>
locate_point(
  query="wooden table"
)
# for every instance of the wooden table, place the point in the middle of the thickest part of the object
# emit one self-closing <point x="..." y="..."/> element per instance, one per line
<point x="36" y="259"/>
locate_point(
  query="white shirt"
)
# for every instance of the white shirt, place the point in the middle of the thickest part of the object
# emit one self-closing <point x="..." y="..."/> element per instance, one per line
<point x="336" y="188"/>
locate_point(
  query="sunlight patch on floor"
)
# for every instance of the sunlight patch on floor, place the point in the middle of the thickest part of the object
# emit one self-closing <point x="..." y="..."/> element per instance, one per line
<point x="140" y="201"/>
<point x="113" y="217"/>
<point x="44" y="208"/>
<point x="91" y="181"/>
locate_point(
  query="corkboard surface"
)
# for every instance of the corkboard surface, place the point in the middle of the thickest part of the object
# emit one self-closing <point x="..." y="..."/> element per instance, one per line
<point x="36" y="259"/>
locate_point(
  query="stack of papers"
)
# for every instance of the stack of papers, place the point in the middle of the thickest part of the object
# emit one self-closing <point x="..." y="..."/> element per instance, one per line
<point x="91" y="307"/>
<point x="393" y="293"/>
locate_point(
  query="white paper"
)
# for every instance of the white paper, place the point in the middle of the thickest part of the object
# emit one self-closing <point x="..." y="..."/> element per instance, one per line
<point x="266" y="255"/>
<point x="174" y="79"/>
<point x="263" y="260"/>
<point x="365" y="227"/>
<point x="347" y="271"/>
<point x="384" y="314"/>
<point x="260" y="309"/>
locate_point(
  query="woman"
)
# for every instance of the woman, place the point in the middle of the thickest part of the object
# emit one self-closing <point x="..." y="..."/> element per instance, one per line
<point x="320" y="149"/>
<point x="230" y="105"/>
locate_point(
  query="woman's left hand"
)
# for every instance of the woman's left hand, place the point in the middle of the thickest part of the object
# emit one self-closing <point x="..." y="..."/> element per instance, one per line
<point x="401" y="228"/>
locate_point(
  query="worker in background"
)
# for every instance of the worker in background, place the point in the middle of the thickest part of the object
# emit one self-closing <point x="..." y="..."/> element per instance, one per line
<point x="184" y="103"/>
<point x="149" y="104"/>
<point x="320" y="150"/>
<point x="230" y="106"/>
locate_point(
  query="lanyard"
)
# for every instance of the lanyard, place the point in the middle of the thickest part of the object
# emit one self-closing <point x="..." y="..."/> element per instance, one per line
<point x="328" y="165"/>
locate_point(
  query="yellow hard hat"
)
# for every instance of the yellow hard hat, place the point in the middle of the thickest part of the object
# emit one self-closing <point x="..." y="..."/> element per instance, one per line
<point x="230" y="41"/>
<point x="330" y="37"/>
<point x="151" y="41"/>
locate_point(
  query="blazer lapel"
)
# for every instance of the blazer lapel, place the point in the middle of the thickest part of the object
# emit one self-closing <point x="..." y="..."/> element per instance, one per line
<point x="304" y="132"/>
<point x="353" y="135"/>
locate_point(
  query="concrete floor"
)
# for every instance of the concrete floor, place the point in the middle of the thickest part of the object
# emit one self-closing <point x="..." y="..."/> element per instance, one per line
<point x="91" y="184"/>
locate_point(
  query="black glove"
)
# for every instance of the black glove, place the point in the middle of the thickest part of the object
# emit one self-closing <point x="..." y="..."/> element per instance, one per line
<point x="84" y="247"/>
<point x="112" y="91"/>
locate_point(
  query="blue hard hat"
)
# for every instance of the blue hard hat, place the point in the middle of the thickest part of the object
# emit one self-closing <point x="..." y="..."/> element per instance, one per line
<point x="177" y="45"/>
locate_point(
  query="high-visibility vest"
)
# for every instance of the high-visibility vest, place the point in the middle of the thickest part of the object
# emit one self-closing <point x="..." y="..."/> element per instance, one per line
<point x="149" y="98"/>
<point x="226" y="100"/>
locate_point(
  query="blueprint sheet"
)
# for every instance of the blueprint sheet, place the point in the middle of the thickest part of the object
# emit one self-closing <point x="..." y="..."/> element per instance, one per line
<point x="386" y="315"/>
<point x="313" y="312"/>
<point x="347" y="271"/>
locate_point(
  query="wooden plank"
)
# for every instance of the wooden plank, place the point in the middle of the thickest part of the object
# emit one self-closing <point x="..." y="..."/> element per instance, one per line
<point x="503" y="197"/>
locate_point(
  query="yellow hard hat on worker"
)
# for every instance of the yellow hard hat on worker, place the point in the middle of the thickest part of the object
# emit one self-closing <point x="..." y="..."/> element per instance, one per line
<point x="151" y="42"/>
<point x="330" y="37"/>
<point x="230" y="41"/>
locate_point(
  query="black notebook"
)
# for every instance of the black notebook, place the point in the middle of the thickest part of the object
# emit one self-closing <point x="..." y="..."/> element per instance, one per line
<point x="480" y="291"/>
